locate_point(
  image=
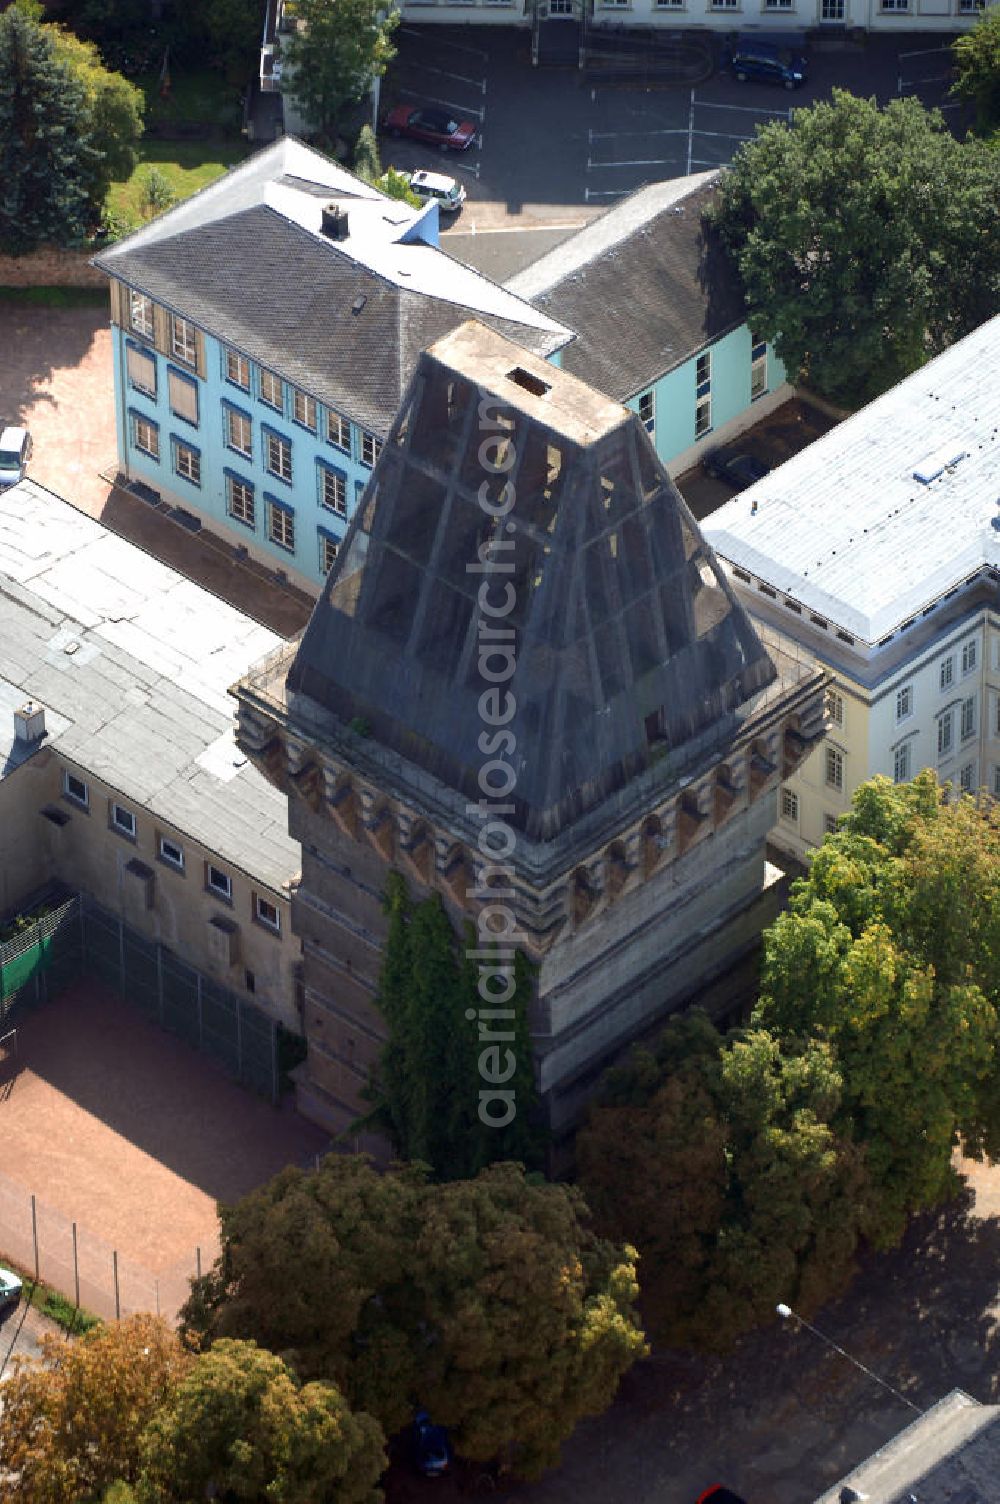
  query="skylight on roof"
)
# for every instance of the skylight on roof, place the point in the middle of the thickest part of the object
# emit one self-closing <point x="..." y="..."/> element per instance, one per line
<point x="938" y="461"/>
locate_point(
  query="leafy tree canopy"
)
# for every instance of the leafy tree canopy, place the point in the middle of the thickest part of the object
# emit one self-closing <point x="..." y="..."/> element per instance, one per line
<point x="718" y="1158"/>
<point x="114" y="108"/>
<point x="446" y="1046"/>
<point x="239" y="1427"/>
<point x="71" y="1424"/>
<point x="336" y="51"/>
<point x="865" y="238"/>
<point x="977" y="68"/>
<point x="48" y="160"/>
<point x="889" y="953"/>
<point x="489" y="1301"/>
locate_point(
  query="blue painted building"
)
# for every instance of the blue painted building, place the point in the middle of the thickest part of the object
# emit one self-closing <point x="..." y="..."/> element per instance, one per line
<point x="264" y="332"/>
<point x="659" y="319"/>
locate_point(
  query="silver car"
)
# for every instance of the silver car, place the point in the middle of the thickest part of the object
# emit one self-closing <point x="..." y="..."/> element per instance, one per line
<point x="15" y="452"/>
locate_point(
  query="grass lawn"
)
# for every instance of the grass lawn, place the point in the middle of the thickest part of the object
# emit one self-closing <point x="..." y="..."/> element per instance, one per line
<point x="194" y="96"/>
<point x="189" y="165"/>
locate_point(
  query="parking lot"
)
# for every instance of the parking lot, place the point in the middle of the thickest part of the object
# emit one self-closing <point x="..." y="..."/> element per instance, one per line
<point x="553" y="147"/>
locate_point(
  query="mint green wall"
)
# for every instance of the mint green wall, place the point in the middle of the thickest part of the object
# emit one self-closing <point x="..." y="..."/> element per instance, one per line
<point x="675" y="392"/>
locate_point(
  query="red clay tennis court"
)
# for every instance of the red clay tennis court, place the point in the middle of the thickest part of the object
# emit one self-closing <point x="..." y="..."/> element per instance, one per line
<point x="116" y="1126"/>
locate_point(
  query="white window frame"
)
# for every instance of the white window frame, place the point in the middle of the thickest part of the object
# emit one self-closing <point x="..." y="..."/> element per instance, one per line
<point x="236" y="504"/>
<point x="337" y="424"/>
<point x="901" y="764"/>
<point x="259" y="905"/>
<point x="122" y="820"/>
<point x="237" y="370"/>
<point x="81" y="799"/>
<point x="333" y="491"/>
<point x="703" y="394"/>
<point x="183" y="340"/>
<point x="165" y="848"/>
<point x="281" y="526"/>
<point x="141" y="364"/>
<point x="968" y="718"/>
<point x="304" y="409"/>
<point x="946" y="677"/>
<point x="146" y="436"/>
<point x="829" y="825"/>
<point x="371" y="448"/>
<point x="239" y="432"/>
<point x="970" y="656"/>
<point x="834" y="769"/>
<point x="186" y="456"/>
<point x="182" y="396"/>
<point x="835" y="707"/>
<point x="758" y="347"/>
<point x="967" y="778"/>
<point x="790" y="806"/>
<point x="329" y="548"/>
<point x="140" y="315"/>
<point x="268" y="383"/>
<point x="223" y="888"/>
<point x="278" y="456"/>
<point x="945" y="735"/>
<point x="904" y="702"/>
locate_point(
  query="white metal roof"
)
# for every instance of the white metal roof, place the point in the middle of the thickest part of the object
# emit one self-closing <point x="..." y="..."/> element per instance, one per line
<point x="132" y="664"/>
<point x="849" y="529"/>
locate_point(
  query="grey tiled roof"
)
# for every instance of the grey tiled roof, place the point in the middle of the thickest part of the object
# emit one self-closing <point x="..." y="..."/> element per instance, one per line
<point x="132" y="664"/>
<point x="644" y="286"/>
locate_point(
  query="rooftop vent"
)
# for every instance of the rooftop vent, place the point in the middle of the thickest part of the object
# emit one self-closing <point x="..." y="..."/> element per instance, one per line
<point x="334" y="222"/>
<point x="358" y="304"/>
<point x="29" y="722"/>
<point x="532" y="384"/>
<point x="938" y="462"/>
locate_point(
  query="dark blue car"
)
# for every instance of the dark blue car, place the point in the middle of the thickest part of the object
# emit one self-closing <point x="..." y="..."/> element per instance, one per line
<point x="767" y="59"/>
<point x="431" y="1447"/>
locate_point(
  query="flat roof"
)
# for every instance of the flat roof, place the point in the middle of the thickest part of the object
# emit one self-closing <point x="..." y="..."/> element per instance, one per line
<point x="132" y="664"/>
<point x="889" y="511"/>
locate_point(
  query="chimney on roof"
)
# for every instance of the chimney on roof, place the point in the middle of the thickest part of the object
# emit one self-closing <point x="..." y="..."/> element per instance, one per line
<point x="29" y="722"/>
<point x="334" y="224"/>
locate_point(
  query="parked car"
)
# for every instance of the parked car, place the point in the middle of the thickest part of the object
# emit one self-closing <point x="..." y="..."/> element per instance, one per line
<point x="10" y="1292"/>
<point x="435" y="188"/>
<point x="436" y="126"/>
<point x="717" y="1494"/>
<point x="15" y="452"/>
<point x="772" y="62"/>
<point x="431" y="1447"/>
<point x="737" y="468"/>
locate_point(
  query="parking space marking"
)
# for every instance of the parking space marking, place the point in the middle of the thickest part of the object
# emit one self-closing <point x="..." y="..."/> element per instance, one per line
<point x="748" y="109"/>
<point x="636" y="162"/>
<point x="463" y="78"/>
<point x="411" y="31"/>
<point x="449" y="104"/>
<point x="473" y="171"/>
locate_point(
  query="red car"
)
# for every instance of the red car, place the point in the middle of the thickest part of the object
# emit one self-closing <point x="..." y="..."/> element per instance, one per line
<point x="435" y="126"/>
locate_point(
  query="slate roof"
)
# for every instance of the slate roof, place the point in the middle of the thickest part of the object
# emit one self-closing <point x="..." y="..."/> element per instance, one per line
<point x="132" y="664"/>
<point x="345" y="320"/>
<point x="630" y="647"/>
<point x="643" y="286"/>
<point x="847" y="529"/>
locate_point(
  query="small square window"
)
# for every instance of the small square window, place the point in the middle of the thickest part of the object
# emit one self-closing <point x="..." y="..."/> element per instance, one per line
<point x="371" y="448"/>
<point x="947" y="671"/>
<point x="123" y="820"/>
<point x="281" y="526"/>
<point x="790" y="806"/>
<point x="183" y="342"/>
<point x="141" y="313"/>
<point x="338" y="431"/>
<point x="218" y="882"/>
<point x="834" y="768"/>
<point x="171" y="853"/>
<point x="333" y="491"/>
<point x="969" y="656"/>
<point x="266" y="913"/>
<point x="904" y="703"/>
<point x="278" y="456"/>
<point x="304" y="410"/>
<point x="238" y="369"/>
<point x="74" y="788"/>
<point x="272" y="390"/>
<point x="835" y="707"/>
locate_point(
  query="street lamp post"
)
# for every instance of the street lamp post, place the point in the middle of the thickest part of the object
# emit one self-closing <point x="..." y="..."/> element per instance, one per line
<point x="786" y="1313"/>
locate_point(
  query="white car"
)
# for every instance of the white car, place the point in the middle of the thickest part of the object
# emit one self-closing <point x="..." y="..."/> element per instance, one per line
<point x="436" y="188"/>
<point x="10" y="1292"/>
<point x="15" y="452"/>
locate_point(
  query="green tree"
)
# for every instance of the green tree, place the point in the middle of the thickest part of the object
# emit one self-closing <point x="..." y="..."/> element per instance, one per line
<point x="888" y="952"/>
<point x="233" y="31"/>
<point x="489" y="1301"/>
<point x="865" y="238"/>
<point x="339" y="48"/>
<point x="444" y="1048"/>
<point x="115" y="108"/>
<point x="47" y="158"/>
<point x="71" y="1424"/>
<point x="157" y="192"/>
<point x="367" y="163"/>
<point x="239" y="1426"/>
<point x="718" y="1159"/>
<point x="977" y="66"/>
<point x="396" y="184"/>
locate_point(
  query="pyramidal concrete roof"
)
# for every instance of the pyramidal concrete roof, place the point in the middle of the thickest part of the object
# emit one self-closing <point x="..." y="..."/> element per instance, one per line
<point x="616" y="632"/>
